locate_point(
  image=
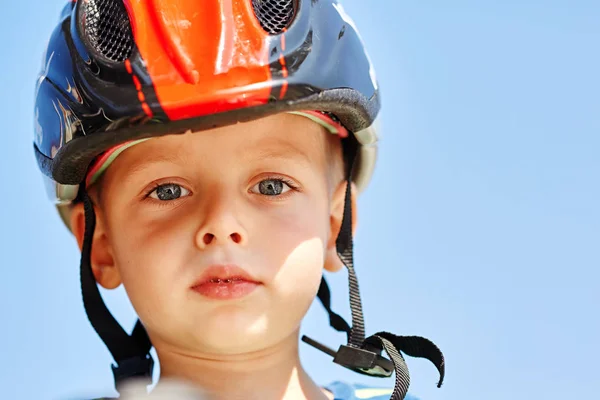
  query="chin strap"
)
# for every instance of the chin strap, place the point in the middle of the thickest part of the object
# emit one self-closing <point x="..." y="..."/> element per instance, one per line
<point x="130" y="352"/>
<point x="360" y="354"/>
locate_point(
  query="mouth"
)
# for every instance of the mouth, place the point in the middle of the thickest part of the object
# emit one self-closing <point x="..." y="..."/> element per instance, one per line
<point x="223" y="282"/>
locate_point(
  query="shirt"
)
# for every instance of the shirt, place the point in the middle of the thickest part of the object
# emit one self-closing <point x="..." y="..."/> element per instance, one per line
<point x="340" y="390"/>
<point x="346" y="391"/>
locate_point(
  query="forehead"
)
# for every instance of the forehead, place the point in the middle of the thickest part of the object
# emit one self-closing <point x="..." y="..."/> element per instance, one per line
<point x="278" y="136"/>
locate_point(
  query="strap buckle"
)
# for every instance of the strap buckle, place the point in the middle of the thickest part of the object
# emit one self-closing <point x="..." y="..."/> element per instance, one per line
<point x="366" y="361"/>
<point x="134" y="367"/>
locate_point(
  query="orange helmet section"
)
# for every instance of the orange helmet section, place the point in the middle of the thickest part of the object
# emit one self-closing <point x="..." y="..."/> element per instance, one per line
<point x="202" y="56"/>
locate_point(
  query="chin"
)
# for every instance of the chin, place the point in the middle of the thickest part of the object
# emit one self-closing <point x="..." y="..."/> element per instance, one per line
<point x="235" y="334"/>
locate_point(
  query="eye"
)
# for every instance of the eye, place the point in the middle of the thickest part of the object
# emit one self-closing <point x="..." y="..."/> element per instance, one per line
<point x="271" y="187"/>
<point x="169" y="191"/>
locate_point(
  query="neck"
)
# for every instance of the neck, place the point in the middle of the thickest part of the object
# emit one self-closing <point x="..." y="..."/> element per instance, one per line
<point x="269" y="374"/>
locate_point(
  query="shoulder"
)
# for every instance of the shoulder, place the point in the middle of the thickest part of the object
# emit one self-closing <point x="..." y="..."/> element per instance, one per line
<point x="349" y="391"/>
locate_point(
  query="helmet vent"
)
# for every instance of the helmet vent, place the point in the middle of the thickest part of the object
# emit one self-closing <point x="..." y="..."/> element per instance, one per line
<point x="106" y="26"/>
<point x="274" y="15"/>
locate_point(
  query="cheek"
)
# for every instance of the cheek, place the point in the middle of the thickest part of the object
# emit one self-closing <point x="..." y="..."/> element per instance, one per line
<point x="296" y="284"/>
<point x="295" y="244"/>
<point x="301" y="271"/>
<point x="150" y="258"/>
<point x="294" y="232"/>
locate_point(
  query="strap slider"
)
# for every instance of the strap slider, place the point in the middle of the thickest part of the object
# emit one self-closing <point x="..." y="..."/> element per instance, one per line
<point x="364" y="361"/>
<point x="134" y="367"/>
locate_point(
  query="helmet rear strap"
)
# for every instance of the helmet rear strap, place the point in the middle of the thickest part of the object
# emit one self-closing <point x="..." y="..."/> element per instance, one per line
<point x="130" y="352"/>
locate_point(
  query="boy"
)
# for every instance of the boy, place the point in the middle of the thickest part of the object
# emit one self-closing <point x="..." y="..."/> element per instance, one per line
<point x="207" y="156"/>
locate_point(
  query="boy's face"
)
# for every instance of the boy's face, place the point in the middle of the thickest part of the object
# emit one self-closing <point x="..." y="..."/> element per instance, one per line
<point x="263" y="196"/>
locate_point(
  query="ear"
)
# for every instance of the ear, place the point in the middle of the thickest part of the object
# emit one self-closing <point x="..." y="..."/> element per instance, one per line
<point x="103" y="263"/>
<point x="332" y="260"/>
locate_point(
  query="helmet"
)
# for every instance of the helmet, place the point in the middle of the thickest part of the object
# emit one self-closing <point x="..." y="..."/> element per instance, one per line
<point x="118" y="71"/>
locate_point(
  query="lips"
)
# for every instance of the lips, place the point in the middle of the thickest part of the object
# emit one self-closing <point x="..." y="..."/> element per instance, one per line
<point x="225" y="282"/>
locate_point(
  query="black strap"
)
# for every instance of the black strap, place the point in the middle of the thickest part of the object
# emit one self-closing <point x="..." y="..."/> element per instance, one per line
<point x="131" y="353"/>
<point x="401" y="369"/>
<point x="414" y="346"/>
<point x="336" y="321"/>
<point x="141" y="336"/>
<point x="417" y="346"/>
<point x="364" y="355"/>
<point x="345" y="249"/>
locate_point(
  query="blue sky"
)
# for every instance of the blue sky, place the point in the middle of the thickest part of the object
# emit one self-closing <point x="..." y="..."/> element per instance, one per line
<point x="479" y="231"/>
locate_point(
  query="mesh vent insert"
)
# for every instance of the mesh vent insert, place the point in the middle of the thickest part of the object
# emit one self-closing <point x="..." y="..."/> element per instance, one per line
<point x="106" y="25"/>
<point x="274" y="15"/>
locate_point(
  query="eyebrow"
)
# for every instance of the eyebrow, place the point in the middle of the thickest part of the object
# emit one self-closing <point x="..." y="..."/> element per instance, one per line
<point x="268" y="149"/>
<point x="277" y="148"/>
<point x="158" y="158"/>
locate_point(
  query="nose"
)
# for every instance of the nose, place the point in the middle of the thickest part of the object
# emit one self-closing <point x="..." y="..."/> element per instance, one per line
<point x="220" y="226"/>
<point x="209" y="238"/>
